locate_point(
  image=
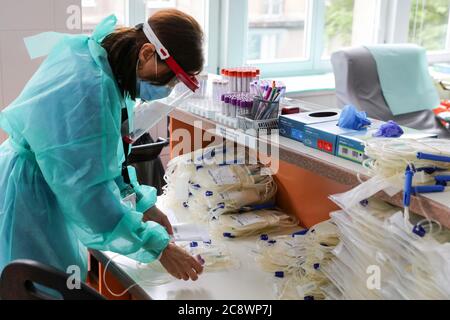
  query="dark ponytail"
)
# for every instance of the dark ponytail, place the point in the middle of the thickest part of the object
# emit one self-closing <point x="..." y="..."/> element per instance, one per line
<point x="178" y="32"/>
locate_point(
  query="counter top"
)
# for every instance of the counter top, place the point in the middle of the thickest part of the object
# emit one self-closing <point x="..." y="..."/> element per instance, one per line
<point x="436" y="206"/>
<point x="246" y="281"/>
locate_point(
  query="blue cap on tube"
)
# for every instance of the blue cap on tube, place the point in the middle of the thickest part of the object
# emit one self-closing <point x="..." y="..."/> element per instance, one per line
<point x="264" y="237"/>
<point x="300" y="233"/>
<point x="442" y="180"/>
<point x="228" y="235"/>
<point x="419" y="230"/>
<point x="193" y="244"/>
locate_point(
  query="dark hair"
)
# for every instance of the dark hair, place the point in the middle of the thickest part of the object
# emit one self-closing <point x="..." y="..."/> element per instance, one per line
<point x="178" y="32"/>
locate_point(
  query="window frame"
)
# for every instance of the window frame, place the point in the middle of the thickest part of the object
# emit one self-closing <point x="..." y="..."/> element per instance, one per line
<point x="271" y="5"/>
<point x="227" y="23"/>
<point x="282" y="67"/>
<point x="391" y="26"/>
<point x="311" y="65"/>
<point x="398" y="31"/>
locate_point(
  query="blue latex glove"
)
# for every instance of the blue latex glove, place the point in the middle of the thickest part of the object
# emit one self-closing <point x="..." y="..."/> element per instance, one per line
<point x="389" y="130"/>
<point x="353" y="119"/>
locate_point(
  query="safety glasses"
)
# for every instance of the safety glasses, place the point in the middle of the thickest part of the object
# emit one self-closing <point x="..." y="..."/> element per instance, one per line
<point x="190" y="81"/>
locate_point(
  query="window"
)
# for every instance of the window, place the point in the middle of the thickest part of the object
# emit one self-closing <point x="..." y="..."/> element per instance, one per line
<point x="273" y="7"/>
<point x="196" y="8"/>
<point x="300" y="34"/>
<point x="263" y="44"/>
<point x="429" y="24"/>
<point x="293" y="37"/>
<point x="338" y="25"/>
<point x="133" y="12"/>
<point x="277" y="30"/>
<point x="301" y="39"/>
<point x="93" y="11"/>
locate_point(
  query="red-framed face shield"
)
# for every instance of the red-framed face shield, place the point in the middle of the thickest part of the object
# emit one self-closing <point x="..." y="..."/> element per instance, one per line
<point x="190" y="81"/>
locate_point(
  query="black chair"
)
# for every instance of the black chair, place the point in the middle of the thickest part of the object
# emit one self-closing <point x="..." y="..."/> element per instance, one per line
<point x="145" y="158"/>
<point x="25" y="280"/>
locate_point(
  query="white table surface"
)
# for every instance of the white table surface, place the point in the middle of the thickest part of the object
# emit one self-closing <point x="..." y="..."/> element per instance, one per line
<point x="245" y="282"/>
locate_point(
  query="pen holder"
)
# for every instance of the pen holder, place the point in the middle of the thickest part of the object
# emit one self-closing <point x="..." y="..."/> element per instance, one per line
<point x="265" y="109"/>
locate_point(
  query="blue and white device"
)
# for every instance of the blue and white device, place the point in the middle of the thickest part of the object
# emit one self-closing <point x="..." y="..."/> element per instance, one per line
<point x="293" y="126"/>
<point x="323" y="136"/>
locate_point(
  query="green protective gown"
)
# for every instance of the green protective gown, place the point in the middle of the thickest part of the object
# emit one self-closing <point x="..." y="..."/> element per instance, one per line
<point x="60" y="170"/>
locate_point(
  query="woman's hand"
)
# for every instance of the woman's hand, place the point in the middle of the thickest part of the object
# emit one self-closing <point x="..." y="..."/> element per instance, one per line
<point x="155" y="215"/>
<point x="180" y="264"/>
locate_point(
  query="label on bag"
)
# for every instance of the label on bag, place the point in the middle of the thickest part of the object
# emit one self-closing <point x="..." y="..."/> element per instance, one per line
<point x="224" y="176"/>
<point x="246" y="219"/>
<point x="190" y="232"/>
<point x="240" y="198"/>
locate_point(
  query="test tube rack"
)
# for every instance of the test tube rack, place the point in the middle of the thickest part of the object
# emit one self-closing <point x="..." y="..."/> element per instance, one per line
<point x="227" y="121"/>
<point x="202" y="108"/>
<point x="254" y="127"/>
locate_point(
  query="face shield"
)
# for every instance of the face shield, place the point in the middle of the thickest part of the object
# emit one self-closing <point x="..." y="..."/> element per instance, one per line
<point x="190" y="81"/>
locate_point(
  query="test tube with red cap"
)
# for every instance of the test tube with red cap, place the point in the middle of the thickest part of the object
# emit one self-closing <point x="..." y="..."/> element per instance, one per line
<point x="240" y="79"/>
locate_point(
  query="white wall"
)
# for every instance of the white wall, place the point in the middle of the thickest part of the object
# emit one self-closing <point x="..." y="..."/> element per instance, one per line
<point x="19" y="19"/>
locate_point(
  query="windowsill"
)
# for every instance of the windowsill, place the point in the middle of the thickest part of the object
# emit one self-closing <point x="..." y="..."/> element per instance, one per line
<point x="323" y="83"/>
<point x="438" y="75"/>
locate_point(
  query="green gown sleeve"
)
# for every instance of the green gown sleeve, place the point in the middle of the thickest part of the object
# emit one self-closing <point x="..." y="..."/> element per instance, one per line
<point x="68" y="116"/>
